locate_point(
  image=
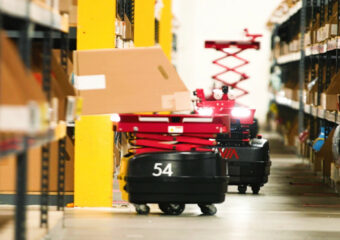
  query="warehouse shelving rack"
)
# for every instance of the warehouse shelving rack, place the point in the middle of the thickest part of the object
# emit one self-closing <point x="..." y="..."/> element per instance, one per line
<point x="321" y="59"/>
<point x="27" y="21"/>
<point x="321" y="53"/>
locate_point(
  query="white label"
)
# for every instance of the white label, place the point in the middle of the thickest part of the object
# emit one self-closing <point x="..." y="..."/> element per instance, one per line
<point x="90" y="82"/>
<point x="158" y="170"/>
<point x="35" y="116"/>
<point x="70" y="109"/>
<point x="15" y="118"/>
<point x="175" y="129"/>
<point x="334" y="29"/>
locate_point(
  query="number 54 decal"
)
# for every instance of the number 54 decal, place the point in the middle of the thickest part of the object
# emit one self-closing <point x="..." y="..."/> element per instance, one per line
<point x="159" y="170"/>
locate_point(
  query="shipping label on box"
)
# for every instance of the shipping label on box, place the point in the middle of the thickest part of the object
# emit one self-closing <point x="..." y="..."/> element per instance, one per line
<point x="333" y="30"/>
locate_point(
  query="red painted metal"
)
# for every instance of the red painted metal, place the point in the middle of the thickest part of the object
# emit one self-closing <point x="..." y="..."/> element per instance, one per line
<point x="224" y="106"/>
<point x="175" y="124"/>
<point x="174" y="133"/>
<point x="182" y="139"/>
<point x="240" y="46"/>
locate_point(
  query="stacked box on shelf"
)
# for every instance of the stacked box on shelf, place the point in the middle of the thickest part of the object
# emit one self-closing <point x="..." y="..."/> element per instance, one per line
<point x="8" y="170"/>
<point x="329" y="98"/>
<point x="17" y="109"/>
<point x="61" y="87"/>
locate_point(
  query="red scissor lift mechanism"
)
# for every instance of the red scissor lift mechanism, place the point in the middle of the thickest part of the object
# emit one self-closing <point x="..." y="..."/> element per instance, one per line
<point x="172" y="133"/>
<point x="241" y="46"/>
<point x="241" y="124"/>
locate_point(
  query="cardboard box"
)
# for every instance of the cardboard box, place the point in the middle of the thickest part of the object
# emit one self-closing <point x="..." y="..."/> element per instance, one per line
<point x="329" y="97"/>
<point x="65" y="6"/>
<point x="28" y="85"/>
<point x="128" y="33"/>
<point x="61" y="80"/>
<point x="326" y="155"/>
<point x="21" y="97"/>
<point x="128" y="81"/>
<point x="8" y="170"/>
<point x="292" y="94"/>
<point x="73" y="16"/>
<point x="61" y="87"/>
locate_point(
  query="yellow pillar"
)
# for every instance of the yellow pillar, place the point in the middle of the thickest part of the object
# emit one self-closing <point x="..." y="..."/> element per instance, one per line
<point x="93" y="177"/>
<point x="144" y="27"/>
<point x="165" y="28"/>
<point x="93" y="162"/>
<point x="96" y="24"/>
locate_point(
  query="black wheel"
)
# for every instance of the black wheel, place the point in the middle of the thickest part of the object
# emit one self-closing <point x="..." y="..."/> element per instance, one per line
<point x="171" y="208"/>
<point x="208" y="209"/>
<point x="242" y="189"/>
<point x="255" y="189"/>
<point x="142" y="209"/>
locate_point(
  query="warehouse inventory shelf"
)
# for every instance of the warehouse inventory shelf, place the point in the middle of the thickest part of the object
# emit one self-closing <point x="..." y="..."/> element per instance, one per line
<point x="331" y="116"/>
<point x="321" y="48"/>
<point x="280" y="18"/>
<point x="38" y="13"/>
<point x="16" y="144"/>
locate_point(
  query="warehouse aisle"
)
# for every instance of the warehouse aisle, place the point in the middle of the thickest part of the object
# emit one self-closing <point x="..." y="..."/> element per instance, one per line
<point x="294" y="205"/>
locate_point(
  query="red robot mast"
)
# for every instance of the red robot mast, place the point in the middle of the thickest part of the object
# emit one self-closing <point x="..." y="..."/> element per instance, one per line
<point x="241" y="46"/>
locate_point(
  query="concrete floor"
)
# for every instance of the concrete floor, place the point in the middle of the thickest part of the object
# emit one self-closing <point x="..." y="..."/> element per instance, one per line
<point x="295" y="204"/>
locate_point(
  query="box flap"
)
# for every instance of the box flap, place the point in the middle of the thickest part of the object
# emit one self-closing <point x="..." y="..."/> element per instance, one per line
<point x="334" y="87"/>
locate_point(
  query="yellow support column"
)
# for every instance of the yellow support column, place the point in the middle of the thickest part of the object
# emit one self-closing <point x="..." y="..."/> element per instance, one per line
<point x="144" y="27"/>
<point x="93" y="162"/>
<point x="165" y="29"/>
<point x="96" y="24"/>
<point x="93" y="177"/>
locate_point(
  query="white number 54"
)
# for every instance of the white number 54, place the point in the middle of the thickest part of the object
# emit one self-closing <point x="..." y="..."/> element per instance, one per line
<point x="160" y="171"/>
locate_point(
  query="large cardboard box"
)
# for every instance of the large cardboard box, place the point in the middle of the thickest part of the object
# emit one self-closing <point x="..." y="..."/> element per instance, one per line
<point x="329" y="97"/>
<point x="127" y="81"/>
<point x="8" y="170"/>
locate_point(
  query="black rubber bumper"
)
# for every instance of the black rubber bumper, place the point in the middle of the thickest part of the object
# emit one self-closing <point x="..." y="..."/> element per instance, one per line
<point x="248" y="172"/>
<point x="188" y="177"/>
<point x="177" y="190"/>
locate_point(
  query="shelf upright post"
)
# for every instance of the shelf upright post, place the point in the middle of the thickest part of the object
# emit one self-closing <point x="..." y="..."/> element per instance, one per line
<point x="62" y="142"/>
<point x="45" y="160"/>
<point x="303" y="15"/>
<point x="21" y="172"/>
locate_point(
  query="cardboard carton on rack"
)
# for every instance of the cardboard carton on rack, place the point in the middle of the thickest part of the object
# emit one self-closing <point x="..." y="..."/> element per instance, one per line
<point x="61" y="87"/>
<point x="329" y="97"/>
<point x="23" y="111"/>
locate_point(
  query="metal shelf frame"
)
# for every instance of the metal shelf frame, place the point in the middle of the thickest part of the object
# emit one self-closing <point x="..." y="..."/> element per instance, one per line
<point x="27" y="21"/>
